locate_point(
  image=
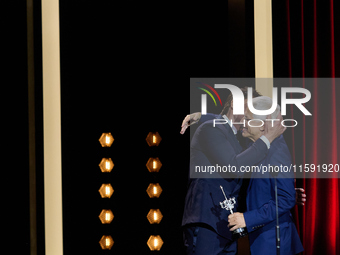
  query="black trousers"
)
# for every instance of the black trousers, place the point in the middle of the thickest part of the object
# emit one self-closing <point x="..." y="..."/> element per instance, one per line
<point x="201" y="239"/>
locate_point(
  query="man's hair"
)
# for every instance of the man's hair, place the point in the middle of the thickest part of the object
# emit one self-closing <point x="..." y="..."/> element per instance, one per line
<point x="264" y="103"/>
<point x="230" y="98"/>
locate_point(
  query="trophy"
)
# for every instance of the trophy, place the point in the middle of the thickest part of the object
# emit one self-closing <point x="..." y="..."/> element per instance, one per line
<point x="228" y="204"/>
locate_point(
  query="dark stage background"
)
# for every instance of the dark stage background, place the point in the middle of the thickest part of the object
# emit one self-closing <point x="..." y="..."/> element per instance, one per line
<point x="125" y="70"/>
<point x="104" y="90"/>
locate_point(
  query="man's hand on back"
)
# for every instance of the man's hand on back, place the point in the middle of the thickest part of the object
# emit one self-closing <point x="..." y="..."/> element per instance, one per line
<point x="190" y="119"/>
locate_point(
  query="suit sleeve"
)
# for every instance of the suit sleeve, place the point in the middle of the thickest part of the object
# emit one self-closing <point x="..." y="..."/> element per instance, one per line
<point x="219" y="150"/>
<point x="286" y="197"/>
<point x="206" y="117"/>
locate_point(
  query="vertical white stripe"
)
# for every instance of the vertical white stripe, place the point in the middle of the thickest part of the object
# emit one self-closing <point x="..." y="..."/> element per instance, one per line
<point x="204" y="104"/>
<point x="52" y="127"/>
<point x="263" y="46"/>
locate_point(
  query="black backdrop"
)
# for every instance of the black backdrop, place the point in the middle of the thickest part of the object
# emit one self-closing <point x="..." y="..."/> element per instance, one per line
<point x="113" y="81"/>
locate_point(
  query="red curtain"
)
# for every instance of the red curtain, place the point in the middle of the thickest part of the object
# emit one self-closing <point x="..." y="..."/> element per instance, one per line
<point x="309" y="47"/>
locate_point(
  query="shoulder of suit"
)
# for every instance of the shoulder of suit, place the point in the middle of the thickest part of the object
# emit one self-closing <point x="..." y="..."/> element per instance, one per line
<point x="280" y="148"/>
<point x="278" y="143"/>
<point x="208" y="126"/>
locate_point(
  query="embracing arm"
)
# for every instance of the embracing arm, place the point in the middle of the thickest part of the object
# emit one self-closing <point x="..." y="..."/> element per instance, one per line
<point x="220" y="150"/>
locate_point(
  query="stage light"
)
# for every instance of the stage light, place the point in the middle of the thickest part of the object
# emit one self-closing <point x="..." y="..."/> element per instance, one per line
<point x="153" y="164"/>
<point x="154" y="216"/>
<point x="106" y="190"/>
<point x="106" y="165"/>
<point x="154" y="190"/>
<point x="106" y="139"/>
<point x="153" y="139"/>
<point x="106" y="216"/>
<point x="106" y="242"/>
<point x="155" y="243"/>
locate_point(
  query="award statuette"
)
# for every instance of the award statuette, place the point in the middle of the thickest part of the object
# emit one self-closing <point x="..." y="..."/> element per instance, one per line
<point x="228" y="204"/>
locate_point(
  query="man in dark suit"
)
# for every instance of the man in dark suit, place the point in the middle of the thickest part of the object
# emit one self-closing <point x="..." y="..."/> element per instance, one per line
<point x="260" y="217"/>
<point x="204" y="222"/>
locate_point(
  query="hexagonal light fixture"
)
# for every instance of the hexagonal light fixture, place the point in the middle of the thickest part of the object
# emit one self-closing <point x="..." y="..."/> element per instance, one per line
<point x="106" y="190"/>
<point x="154" y="190"/>
<point x="106" y="242"/>
<point x="106" y="165"/>
<point x="106" y="139"/>
<point x="153" y="139"/>
<point x="154" y="216"/>
<point x="106" y="216"/>
<point x="153" y="165"/>
<point x="155" y="243"/>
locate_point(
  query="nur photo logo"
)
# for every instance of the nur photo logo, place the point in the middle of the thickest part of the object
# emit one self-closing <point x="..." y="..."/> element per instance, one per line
<point x="240" y="102"/>
<point x="204" y="97"/>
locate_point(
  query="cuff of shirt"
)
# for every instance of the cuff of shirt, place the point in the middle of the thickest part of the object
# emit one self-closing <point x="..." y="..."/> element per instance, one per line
<point x="265" y="140"/>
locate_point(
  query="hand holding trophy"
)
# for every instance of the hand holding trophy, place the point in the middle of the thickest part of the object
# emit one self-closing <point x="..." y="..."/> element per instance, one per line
<point x="228" y="204"/>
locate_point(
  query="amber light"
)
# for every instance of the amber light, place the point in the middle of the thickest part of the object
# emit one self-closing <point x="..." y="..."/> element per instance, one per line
<point x="154" y="164"/>
<point x="106" y="190"/>
<point x="106" y="140"/>
<point x="106" y="165"/>
<point x="154" y="190"/>
<point x="153" y="139"/>
<point x="106" y="242"/>
<point x="155" y="243"/>
<point x="106" y="216"/>
<point x="154" y="216"/>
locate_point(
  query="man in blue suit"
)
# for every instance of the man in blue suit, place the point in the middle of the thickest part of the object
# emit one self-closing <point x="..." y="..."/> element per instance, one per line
<point x="205" y="224"/>
<point x="260" y="217"/>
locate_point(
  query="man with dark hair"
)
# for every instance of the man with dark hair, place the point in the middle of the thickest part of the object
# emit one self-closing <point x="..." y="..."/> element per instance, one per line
<point x="227" y="104"/>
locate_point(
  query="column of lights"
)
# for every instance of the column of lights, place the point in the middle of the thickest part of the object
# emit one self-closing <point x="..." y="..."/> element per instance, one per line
<point x="154" y="190"/>
<point x="106" y="216"/>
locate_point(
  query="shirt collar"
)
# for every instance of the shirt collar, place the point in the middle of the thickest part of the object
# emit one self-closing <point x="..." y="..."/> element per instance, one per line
<point x="230" y="124"/>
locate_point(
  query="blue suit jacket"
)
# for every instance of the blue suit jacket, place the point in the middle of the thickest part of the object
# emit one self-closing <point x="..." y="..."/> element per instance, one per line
<point x="260" y="217"/>
<point x="210" y="146"/>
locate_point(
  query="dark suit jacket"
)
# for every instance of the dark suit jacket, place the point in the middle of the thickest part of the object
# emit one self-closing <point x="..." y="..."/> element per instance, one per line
<point x="260" y="217"/>
<point x="210" y="146"/>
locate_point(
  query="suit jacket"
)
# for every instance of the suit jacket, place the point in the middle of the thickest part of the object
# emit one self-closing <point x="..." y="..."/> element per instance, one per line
<point x="210" y="146"/>
<point x="260" y="217"/>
